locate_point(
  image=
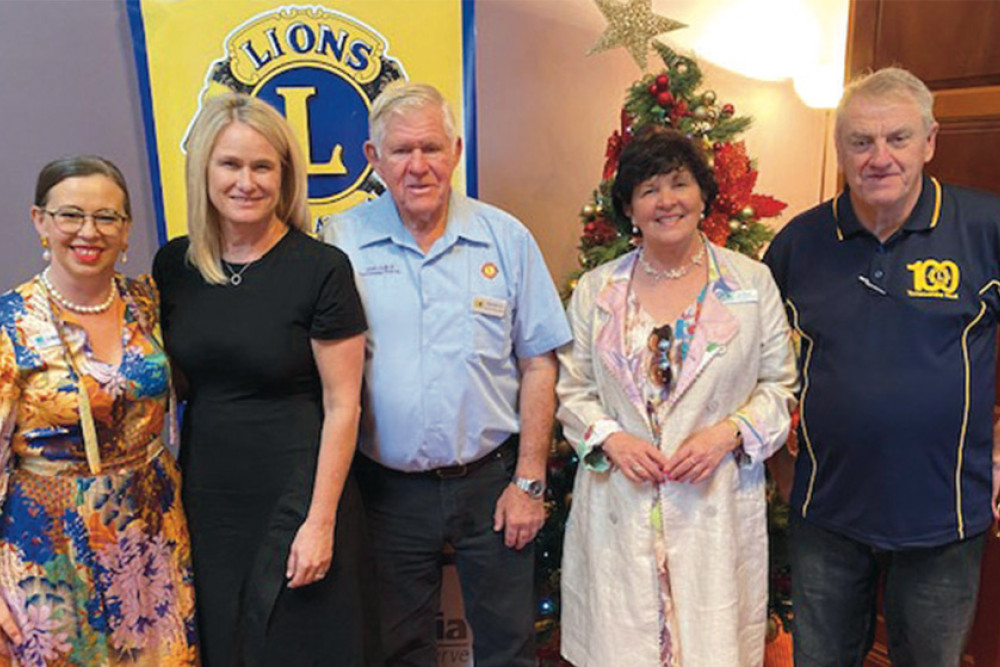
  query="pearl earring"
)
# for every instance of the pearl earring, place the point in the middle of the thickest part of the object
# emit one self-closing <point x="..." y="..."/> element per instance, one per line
<point x="46" y="253"/>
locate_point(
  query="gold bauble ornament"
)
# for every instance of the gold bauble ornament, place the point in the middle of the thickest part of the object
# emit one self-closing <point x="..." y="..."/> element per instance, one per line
<point x="772" y="629"/>
<point x="748" y="212"/>
<point x="587" y="211"/>
<point x="708" y="97"/>
<point x="701" y="112"/>
<point x="631" y="25"/>
<point x="734" y="225"/>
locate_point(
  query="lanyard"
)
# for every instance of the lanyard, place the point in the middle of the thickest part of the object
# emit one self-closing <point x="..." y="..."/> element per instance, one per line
<point x="90" y="444"/>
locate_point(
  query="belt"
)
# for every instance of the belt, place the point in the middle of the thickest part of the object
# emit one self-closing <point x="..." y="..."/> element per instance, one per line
<point x="463" y="469"/>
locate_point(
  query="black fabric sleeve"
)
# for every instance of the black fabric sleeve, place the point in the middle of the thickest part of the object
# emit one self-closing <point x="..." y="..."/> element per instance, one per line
<point x="776" y="259"/>
<point x="338" y="312"/>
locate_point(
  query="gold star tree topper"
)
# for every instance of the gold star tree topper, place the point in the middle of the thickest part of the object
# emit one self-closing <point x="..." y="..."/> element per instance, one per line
<point x="631" y="25"/>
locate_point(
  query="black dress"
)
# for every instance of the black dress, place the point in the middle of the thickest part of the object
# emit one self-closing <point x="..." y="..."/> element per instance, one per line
<point x="249" y="448"/>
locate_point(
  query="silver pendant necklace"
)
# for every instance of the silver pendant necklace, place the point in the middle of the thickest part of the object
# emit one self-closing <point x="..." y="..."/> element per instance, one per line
<point x="236" y="277"/>
<point x="670" y="274"/>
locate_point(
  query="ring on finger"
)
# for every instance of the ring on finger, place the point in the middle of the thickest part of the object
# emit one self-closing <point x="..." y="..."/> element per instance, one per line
<point x="636" y="468"/>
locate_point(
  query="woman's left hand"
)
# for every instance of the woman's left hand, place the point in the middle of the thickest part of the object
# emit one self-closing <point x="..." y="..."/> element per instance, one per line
<point x="698" y="456"/>
<point x="311" y="554"/>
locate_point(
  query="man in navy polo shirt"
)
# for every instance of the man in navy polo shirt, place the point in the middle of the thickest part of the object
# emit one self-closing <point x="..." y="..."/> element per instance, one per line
<point x="894" y="289"/>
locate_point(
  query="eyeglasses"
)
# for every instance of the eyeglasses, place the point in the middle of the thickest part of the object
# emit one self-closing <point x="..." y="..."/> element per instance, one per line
<point x="660" y="371"/>
<point x="70" y="221"/>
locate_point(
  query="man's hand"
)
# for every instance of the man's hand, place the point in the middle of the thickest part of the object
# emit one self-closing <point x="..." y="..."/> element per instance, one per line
<point x="519" y="516"/>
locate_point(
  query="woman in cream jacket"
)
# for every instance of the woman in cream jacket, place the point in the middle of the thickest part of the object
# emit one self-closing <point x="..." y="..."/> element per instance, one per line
<point x="665" y="561"/>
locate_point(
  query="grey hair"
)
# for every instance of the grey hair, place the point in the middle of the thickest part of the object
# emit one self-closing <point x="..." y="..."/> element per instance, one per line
<point x="884" y="83"/>
<point x="401" y="96"/>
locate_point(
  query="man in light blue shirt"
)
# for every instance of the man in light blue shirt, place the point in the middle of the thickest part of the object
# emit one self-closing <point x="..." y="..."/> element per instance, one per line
<point x="459" y="386"/>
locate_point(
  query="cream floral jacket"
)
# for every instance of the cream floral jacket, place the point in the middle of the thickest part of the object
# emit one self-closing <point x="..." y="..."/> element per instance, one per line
<point x="740" y="364"/>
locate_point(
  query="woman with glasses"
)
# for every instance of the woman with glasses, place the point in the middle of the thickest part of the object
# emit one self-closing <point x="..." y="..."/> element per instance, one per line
<point x="676" y="388"/>
<point x="95" y="562"/>
<point x="265" y="325"/>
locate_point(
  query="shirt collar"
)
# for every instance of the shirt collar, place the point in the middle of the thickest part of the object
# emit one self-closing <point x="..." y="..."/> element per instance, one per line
<point x="925" y="214"/>
<point x="384" y="224"/>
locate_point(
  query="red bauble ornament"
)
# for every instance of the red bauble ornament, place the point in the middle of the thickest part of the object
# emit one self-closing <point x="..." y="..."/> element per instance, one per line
<point x="653" y="90"/>
<point x="728" y="109"/>
<point x="663" y="82"/>
<point x="680" y="110"/>
<point x="664" y="98"/>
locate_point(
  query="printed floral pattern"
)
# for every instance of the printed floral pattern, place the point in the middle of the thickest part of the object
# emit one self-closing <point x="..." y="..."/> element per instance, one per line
<point x="96" y="569"/>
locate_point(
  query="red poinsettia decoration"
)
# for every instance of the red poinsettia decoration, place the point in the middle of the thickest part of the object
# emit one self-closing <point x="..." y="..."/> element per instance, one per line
<point x="736" y="178"/>
<point x="716" y="227"/>
<point x="616" y="144"/>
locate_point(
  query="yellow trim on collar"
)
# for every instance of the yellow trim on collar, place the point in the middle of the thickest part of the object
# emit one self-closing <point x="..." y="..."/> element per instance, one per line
<point x="937" y="203"/>
<point x="836" y="216"/>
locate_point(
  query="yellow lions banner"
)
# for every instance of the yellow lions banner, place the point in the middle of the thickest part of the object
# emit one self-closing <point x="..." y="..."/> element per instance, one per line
<point x="320" y="65"/>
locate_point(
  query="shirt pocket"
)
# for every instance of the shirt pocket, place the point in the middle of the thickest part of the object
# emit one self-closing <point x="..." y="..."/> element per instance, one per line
<point x="491" y="327"/>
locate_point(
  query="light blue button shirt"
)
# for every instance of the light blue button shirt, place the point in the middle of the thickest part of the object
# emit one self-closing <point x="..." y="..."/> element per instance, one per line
<point x="446" y="329"/>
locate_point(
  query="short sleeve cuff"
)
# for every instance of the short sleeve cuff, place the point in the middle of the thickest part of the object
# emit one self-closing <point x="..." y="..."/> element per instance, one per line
<point x="591" y="452"/>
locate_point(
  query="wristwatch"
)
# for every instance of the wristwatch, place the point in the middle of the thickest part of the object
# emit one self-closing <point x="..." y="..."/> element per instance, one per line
<point x="533" y="487"/>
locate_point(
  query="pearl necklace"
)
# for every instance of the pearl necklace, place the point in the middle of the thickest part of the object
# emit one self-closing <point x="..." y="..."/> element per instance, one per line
<point x="670" y="274"/>
<point x="66" y="303"/>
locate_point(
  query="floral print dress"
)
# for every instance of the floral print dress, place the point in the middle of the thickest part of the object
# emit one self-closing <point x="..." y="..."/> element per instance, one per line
<point x="638" y="325"/>
<point x="95" y="564"/>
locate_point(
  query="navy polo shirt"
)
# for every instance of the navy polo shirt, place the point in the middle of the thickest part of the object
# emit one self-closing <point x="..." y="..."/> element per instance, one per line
<point x="898" y="366"/>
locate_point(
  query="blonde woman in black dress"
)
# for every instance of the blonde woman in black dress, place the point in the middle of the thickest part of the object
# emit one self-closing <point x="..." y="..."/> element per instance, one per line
<point x="265" y="325"/>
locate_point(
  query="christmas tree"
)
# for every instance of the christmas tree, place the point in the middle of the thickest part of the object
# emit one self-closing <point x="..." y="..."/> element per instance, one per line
<point x="670" y="98"/>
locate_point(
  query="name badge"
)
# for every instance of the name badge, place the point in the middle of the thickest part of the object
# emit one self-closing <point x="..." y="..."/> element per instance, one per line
<point x="739" y="296"/>
<point x="50" y="339"/>
<point x="489" y="306"/>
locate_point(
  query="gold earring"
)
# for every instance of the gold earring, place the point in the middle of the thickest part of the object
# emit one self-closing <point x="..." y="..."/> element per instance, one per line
<point x="46" y="253"/>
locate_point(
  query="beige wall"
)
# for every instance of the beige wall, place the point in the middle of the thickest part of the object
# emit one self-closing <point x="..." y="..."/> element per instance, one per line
<point x="546" y="110"/>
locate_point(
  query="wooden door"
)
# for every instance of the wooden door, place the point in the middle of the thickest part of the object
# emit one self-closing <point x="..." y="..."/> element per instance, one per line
<point x="954" y="47"/>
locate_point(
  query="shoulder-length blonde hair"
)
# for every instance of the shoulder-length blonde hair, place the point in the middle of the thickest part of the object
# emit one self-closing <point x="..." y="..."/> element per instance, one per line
<point x="204" y="230"/>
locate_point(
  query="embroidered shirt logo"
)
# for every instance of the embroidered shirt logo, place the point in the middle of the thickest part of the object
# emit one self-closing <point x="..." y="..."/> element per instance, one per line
<point x="379" y="270"/>
<point x="489" y="270"/>
<point x="934" y="278"/>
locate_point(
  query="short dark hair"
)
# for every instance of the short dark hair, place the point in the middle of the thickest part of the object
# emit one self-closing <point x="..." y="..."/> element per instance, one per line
<point x="57" y="171"/>
<point x="656" y="150"/>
